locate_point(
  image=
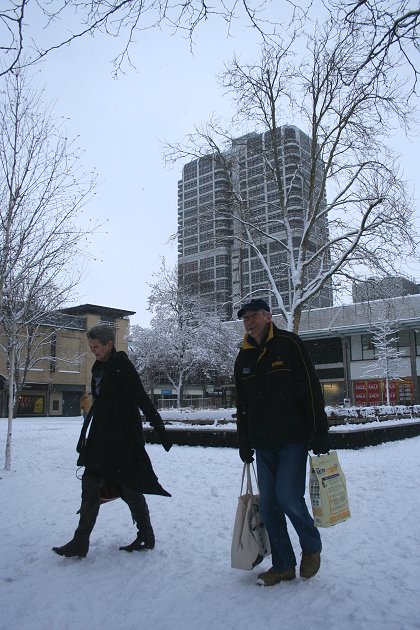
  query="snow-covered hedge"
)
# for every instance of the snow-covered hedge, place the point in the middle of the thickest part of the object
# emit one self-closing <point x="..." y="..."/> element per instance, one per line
<point x="337" y="415"/>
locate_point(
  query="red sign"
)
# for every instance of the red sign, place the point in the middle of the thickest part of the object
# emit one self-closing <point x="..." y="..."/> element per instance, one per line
<point x="374" y="392"/>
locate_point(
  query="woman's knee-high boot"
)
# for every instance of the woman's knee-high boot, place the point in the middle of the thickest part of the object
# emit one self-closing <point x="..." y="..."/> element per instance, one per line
<point x="79" y="544"/>
<point x="140" y="513"/>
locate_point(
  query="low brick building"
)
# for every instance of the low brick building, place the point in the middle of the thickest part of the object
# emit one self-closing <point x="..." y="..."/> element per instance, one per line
<point x="55" y="385"/>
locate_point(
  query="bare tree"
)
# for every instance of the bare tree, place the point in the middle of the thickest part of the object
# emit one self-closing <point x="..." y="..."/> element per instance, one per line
<point x="387" y="24"/>
<point x="41" y="244"/>
<point x="331" y="204"/>
<point x="183" y="341"/>
<point x="124" y="19"/>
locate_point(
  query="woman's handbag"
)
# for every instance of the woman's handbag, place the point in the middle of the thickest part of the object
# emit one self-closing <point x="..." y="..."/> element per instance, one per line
<point x="109" y="492"/>
<point x="328" y="490"/>
<point x="250" y="543"/>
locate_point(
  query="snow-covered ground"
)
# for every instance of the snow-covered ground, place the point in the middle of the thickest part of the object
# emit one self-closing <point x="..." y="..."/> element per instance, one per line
<point x="369" y="578"/>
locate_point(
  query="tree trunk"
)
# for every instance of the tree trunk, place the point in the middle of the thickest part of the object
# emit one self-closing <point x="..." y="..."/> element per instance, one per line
<point x="387" y="391"/>
<point x="179" y="394"/>
<point x="387" y="381"/>
<point x="8" y="454"/>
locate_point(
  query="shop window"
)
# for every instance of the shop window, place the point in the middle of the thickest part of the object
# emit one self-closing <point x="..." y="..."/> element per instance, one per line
<point x="31" y="405"/>
<point x="417" y="340"/>
<point x="368" y="349"/>
<point x="404" y="342"/>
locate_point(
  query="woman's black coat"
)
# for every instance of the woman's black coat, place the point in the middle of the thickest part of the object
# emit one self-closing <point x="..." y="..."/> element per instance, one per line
<point x="114" y="446"/>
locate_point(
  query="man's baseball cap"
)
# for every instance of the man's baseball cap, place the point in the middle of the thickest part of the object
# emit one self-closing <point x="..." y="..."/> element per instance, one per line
<point x="257" y="304"/>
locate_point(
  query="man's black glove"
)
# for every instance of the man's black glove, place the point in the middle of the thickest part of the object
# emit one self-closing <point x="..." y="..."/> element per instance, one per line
<point x="320" y="443"/>
<point x="246" y="454"/>
<point x="165" y="440"/>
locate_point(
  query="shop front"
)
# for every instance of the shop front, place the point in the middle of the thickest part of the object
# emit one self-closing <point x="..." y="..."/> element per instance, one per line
<point x="33" y="400"/>
<point x="373" y="392"/>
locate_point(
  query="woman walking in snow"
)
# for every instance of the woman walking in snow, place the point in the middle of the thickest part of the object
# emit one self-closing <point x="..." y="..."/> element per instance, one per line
<point x="113" y="451"/>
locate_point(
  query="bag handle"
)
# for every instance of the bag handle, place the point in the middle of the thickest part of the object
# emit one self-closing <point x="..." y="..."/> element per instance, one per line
<point x="82" y="438"/>
<point x="247" y="470"/>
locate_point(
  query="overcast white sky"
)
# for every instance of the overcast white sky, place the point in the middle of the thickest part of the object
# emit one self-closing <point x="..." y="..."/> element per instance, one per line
<point x="121" y="124"/>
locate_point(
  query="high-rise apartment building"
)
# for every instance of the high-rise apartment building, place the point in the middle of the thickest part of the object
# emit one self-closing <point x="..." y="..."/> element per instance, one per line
<point x="218" y="195"/>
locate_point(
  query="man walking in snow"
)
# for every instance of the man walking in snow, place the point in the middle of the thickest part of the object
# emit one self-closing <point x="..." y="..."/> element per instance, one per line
<point x="280" y="414"/>
<point x="113" y="452"/>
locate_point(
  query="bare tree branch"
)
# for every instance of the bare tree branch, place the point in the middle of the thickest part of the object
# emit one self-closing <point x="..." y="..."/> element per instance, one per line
<point x="391" y="28"/>
<point x="123" y="19"/>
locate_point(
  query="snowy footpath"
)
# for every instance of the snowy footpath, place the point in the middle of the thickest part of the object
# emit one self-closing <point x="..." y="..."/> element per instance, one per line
<point x="369" y="578"/>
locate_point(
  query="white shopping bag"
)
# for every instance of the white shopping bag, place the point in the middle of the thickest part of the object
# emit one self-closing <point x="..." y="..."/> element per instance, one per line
<point x="250" y="543"/>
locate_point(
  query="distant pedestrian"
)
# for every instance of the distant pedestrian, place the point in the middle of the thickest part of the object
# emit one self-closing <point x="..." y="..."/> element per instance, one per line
<point x="85" y="404"/>
<point x="113" y="452"/>
<point x="280" y="414"/>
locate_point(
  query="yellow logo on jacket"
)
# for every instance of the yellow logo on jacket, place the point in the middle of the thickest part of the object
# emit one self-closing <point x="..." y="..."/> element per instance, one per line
<point x="277" y="363"/>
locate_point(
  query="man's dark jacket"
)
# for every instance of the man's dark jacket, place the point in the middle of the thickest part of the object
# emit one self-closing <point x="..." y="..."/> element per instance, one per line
<point x="114" y="446"/>
<point x="279" y="397"/>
